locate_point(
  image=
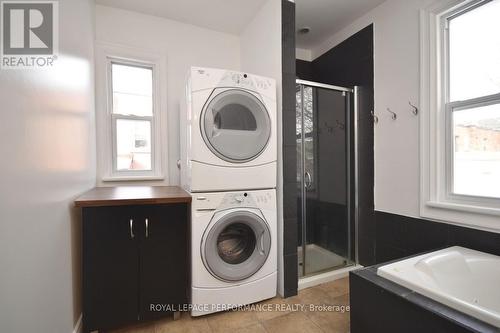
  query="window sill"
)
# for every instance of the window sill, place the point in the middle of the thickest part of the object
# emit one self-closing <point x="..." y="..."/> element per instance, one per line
<point x="464" y="215"/>
<point x="464" y="208"/>
<point x="131" y="178"/>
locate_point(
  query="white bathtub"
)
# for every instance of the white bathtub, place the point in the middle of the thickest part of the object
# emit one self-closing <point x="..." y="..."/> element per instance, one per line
<point x="463" y="279"/>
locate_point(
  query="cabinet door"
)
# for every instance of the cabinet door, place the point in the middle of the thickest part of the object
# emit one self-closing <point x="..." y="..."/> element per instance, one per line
<point x="110" y="266"/>
<point x="163" y="258"/>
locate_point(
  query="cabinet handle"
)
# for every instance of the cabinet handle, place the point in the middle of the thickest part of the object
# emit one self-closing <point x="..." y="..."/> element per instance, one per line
<point x="132" y="229"/>
<point x="147" y="228"/>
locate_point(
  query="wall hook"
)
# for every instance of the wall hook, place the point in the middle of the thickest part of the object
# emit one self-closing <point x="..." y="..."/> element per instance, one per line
<point x="375" y="118"/>
<point x="394" y="116"/>
<point x="415" y="109"/>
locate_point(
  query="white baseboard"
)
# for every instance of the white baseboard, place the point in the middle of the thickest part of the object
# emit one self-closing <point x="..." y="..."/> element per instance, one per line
<point x="78" y="326"/>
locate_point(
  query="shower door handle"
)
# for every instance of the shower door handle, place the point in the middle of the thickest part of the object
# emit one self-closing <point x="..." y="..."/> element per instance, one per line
<point x="308" y="180"/>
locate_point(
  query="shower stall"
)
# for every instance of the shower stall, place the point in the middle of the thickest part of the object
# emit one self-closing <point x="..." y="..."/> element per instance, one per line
<point x="326" y="176"/>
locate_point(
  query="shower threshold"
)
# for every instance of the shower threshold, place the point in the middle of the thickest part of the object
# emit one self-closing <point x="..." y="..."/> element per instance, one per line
<point x="323" y="265"/>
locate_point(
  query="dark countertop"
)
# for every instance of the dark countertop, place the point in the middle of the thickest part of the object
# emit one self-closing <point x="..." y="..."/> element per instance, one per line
<point x="132" y="195"/>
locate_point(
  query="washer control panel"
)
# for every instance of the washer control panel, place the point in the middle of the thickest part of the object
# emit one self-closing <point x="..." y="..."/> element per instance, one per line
<point x="221" y="200"/>
<point x="238" y="199"/>
<point x="263" y="198"/>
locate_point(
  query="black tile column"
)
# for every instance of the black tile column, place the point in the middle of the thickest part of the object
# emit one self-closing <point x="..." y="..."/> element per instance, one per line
<point x="289" y="150"/>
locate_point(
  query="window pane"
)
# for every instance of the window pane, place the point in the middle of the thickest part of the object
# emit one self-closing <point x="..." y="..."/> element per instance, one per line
<point x="475" y="52"/>
<point x="133" y="144"/>
<point x="132" y="90"/>
<point x="477" y="151"/>
<point x="309" y="134"/>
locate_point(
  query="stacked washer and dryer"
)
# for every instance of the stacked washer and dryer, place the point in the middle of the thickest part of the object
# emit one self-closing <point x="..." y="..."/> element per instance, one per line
<point x="228" y="164"/>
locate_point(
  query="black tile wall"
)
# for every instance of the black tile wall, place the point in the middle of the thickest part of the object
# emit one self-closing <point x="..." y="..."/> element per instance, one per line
<point x="475" y="239"/>
<point x="348" y="64"/>
<point x="304" y="70"/>
<point x="400" y="236"/>
<point x="289" y="103"/>
<point x="290" y="232"/>
<point x="290" y="165"/>
<point x="367" y="250"/>
<point x="289" y="149"/>
<point x="290" y="208"/>
<point x="289" y="136"/>
<point x="288" y="37"/>
<point x="391" y="229"/>
<point x="291" y="279"/>
<point x="366" y="216"/>
<point x="328" y="228"/>
<point x="387" y="253"/>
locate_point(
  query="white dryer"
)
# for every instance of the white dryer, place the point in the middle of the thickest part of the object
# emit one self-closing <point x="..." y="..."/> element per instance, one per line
<point x="228" y="131"/>
<point x="233" y="249"/>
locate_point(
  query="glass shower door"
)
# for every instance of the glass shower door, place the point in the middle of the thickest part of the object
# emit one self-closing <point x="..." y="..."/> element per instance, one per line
<point x="322" y="164"/>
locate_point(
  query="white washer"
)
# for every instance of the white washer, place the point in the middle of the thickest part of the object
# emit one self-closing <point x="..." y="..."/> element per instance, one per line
<point x="228" y="131"/>
<point x="233" y="249"/>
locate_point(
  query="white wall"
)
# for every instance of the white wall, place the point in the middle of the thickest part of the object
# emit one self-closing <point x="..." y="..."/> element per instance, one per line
<point x="183" y="45"/>
<point x="397" y="79"/>
<point x="261" y="55"/>
<point x="48" y="158"/>
<point x="303" y="54"/>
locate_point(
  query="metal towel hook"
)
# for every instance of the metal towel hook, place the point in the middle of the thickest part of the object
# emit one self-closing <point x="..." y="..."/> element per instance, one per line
<point x="415" y="109"/>
<point x="375" y="117"/>
<point x="394" y="116"/>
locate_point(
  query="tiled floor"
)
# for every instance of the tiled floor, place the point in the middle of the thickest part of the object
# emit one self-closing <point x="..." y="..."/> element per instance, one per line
<point x="334" y="294"/>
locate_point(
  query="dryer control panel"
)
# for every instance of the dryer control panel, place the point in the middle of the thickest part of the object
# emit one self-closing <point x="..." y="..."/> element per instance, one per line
<point x="237" y="80"/>
<point x="210" y="78"/>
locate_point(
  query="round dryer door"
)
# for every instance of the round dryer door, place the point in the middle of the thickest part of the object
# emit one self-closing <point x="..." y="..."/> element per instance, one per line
<point x="236" y="246"/>
<point x="236" y="126"/>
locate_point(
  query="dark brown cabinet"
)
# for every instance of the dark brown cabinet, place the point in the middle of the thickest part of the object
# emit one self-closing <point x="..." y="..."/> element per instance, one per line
<point x="134" y="256"/>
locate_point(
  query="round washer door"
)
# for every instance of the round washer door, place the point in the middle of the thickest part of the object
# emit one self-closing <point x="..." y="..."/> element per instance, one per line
<point x="236" y="246"/>
<point x="236" y="126"/>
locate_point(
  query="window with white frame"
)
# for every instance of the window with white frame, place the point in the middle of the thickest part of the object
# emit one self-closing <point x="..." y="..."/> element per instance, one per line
<point x="460" y="133"/>
<point x="132" y="115"/>
<point x="129" y="115"/>
<point x="472" y="100"/>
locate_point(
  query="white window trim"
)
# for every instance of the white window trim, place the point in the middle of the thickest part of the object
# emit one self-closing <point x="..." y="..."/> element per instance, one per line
<point x="435" y="200"/>
<point x="105" y="54"/>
